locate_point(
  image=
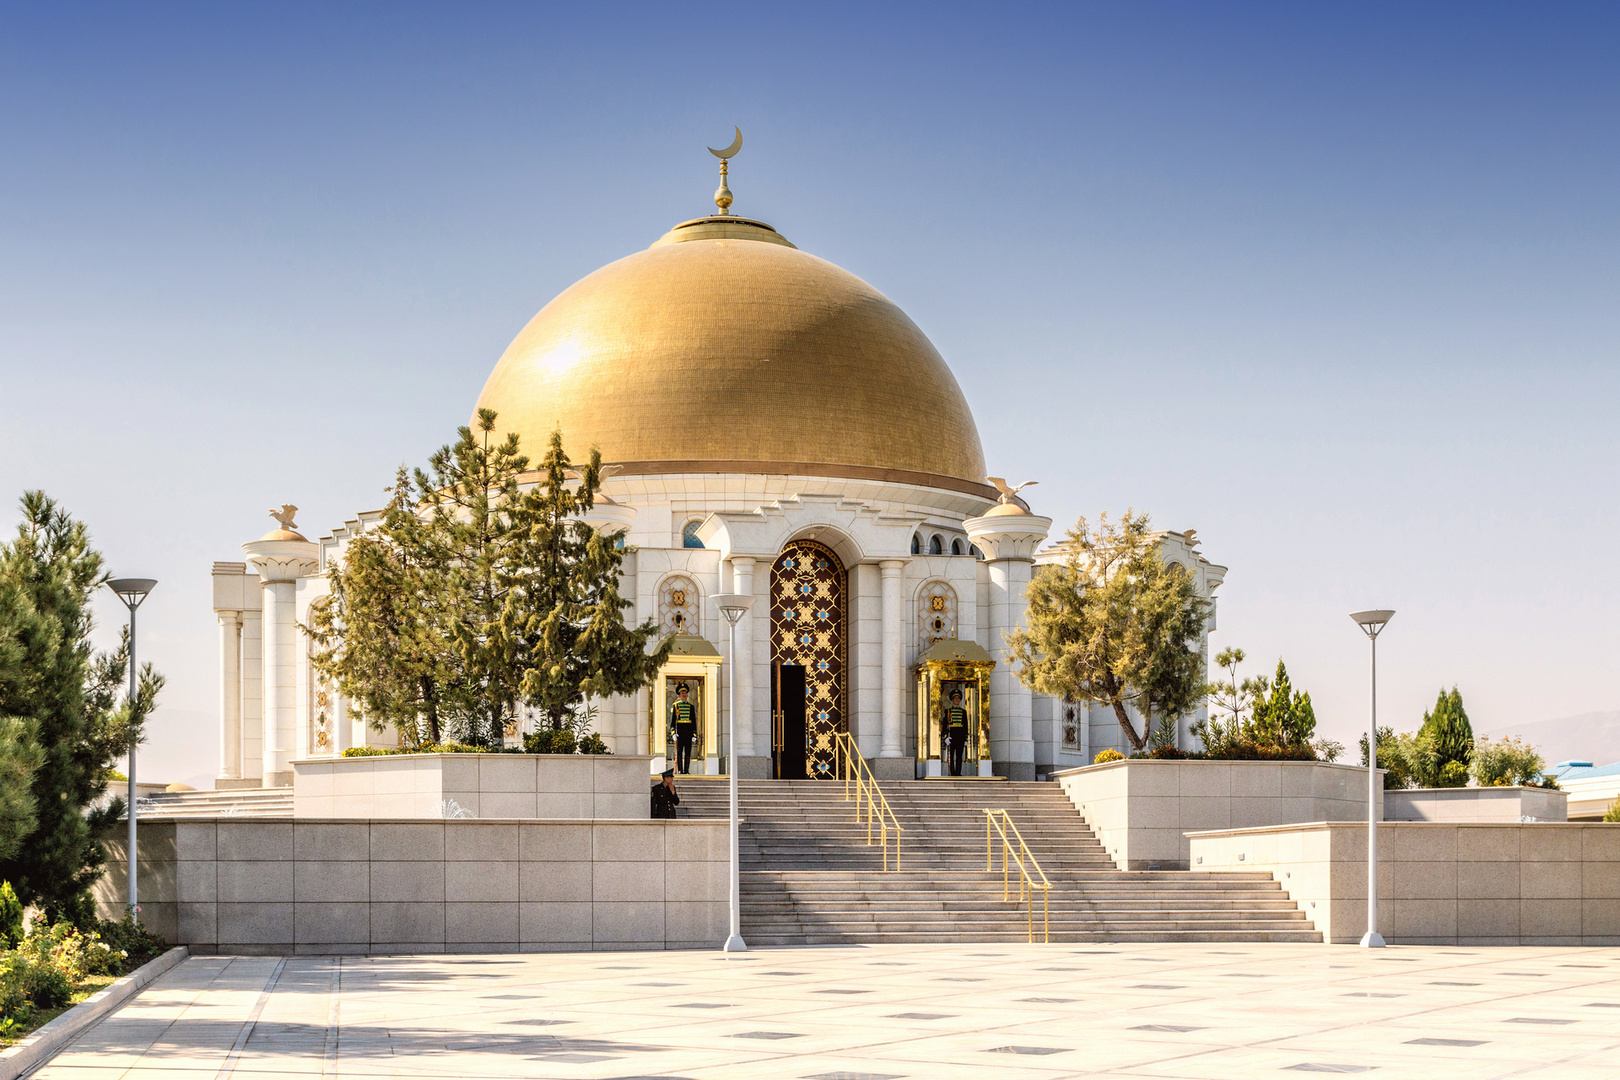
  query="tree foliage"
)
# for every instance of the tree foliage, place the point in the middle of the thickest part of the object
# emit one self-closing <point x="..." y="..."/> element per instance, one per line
<point x="577" y="643"/>
<point x="19" y="757"/>
<point x="1282" y="715"/>
<point x="1451" y="740"/>
<point x="1506" y="762"/>
<point x="70" y="700"/>
<point x="1114" y="624"/>
<point x="474" y="597"/>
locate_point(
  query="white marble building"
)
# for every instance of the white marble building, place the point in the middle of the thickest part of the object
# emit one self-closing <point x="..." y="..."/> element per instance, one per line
<point x="779" y="429"/>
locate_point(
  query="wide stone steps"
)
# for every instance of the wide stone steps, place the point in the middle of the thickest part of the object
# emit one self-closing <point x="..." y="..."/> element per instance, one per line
<point x="809" y="876"/>
<point x="247" y="802"/>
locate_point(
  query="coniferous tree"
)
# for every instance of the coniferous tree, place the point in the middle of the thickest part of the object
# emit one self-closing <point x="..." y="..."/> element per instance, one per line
<point x="1114" y="624"/>
<point x="473" y="597"/>
<point x="70" y="699"/>
<point x="19" y="757"/>
<point x="1452" y="740"/>
<point x="379" y="631"/>
<point x="574" y="633"/>
<point x="1284" y="716"/>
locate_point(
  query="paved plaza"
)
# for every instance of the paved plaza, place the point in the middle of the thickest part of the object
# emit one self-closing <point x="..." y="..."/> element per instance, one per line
<point x="1206" y="1011"/>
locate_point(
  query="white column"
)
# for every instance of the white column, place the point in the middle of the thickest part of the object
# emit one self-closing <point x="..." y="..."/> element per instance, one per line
<point x="1008" y="539"/>
<point x="893" y="734"/>
<point x="280" y="563"/>
<point x="230" y="695"/>
<point x="253" y="687"/>
<point x="342" y="724"/>
<point x="742" y="665"/>
<point x="280" y="683"/>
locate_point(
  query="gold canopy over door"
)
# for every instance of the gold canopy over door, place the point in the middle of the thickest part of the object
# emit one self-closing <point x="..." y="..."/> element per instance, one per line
<point x="809" y="590"/>
<point x="963" y="665"/>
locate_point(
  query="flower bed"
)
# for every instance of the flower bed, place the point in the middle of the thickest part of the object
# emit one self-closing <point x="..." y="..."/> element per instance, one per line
<point x="53" y="968"/>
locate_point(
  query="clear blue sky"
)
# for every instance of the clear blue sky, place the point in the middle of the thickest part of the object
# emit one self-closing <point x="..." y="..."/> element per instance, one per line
<point x="1335" y="285"/>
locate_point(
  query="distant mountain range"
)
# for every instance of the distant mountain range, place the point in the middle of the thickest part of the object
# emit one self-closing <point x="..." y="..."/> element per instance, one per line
<point x="1593" y="736"/>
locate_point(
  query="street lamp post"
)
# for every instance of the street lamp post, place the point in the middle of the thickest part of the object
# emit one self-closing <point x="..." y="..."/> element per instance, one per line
<point x="132" y="591"/>
<point x="1372" y="622"/>
<point x="732" y="606"/>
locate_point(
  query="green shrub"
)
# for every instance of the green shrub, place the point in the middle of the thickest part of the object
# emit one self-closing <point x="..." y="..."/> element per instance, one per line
<point x="424" y="748"/>
<point x="77" y="954"/>
<point x="128" y="937"/>
<point x="1613" y="813"/>
<point x="27" y="984"/>
<point x="1453" y="774"/>
<point x="1506" y="762"/>
<point x="11" y="917"/>
<point x="562" y="741"/>
<point x="593" y="744"/>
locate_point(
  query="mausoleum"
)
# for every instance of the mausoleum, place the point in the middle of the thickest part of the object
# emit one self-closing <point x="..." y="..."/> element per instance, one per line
<point x="772" y="426"/>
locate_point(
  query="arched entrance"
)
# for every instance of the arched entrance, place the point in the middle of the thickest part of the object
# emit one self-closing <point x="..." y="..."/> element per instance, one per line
<point x="809" y="631"/>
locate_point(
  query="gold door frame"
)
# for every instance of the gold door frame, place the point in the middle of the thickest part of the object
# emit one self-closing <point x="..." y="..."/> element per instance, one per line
<point x="932" y="675"/>
<point x="809" y="593"/>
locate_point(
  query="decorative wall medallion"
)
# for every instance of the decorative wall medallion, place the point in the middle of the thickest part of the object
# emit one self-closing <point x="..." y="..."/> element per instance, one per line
<point x="678" y="605"/>
<point x="320" y="734"/>
<point x="936" y="614"/>
<point x="808" y="610"/>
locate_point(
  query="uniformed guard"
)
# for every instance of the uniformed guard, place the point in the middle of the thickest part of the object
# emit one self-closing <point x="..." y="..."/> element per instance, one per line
<point x="664" y="798"/>
<point x="956" y="731"/>
<point x="683" y="719"/>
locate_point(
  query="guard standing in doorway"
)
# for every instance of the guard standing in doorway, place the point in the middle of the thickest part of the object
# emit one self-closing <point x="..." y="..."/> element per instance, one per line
<point x="683" y="718"/>
<point x="956" y="731"/>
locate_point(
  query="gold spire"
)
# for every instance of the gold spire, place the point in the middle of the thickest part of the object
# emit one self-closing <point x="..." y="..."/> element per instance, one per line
<point x="722" y="194"/>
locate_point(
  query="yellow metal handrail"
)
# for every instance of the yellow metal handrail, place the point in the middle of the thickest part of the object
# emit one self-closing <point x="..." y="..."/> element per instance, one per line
<point x="861" y="785"/>
<point x="1018" y="854"/>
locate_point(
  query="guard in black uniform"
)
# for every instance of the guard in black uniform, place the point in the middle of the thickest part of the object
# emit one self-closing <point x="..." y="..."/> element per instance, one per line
<point x="956" y="731"/>
<point x="683" y="718"/>
<point x="664" y="799"/>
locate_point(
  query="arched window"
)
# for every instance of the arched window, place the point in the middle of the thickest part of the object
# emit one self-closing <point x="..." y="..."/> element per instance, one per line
<point x="689" y="536"/>
<point x="956" y="547"/>
<point x="916" y="544"/>
<point x="977" y="554"/>
<point x="936" y="546"/>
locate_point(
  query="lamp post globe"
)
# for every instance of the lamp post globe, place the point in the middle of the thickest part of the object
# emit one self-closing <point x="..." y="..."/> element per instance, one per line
<point x="732" y="607"/>
<point x="133" y="592"/>
<point x="1372" y="624"/>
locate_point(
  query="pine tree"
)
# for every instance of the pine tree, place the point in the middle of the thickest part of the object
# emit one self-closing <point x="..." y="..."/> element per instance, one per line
<point x="474" y="597"/>
<point x="1284" y="717"/>
<point x="19" y="758"/>
<point x="1452" y="739"/>
<point x="378" y="631"/>
<point x="1114" y="624"/>
<point x="573" y="629"/>
<point x="70" y="699"/>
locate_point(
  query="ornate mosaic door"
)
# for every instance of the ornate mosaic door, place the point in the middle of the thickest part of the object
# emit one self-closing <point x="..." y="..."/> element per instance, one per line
<point x="808" y="591"/>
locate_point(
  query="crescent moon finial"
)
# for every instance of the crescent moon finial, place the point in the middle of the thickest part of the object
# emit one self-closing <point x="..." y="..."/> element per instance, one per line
<point x="730" y="151"/>
<point x="722" y="194"/>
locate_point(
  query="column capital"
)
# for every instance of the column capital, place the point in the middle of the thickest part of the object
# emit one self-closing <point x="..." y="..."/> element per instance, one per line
<point x="891" y="567"/>
<point x="1008" y="536"/>
<point x="281" y="560"/>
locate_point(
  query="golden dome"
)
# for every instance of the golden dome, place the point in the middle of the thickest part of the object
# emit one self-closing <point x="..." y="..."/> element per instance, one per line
<point x="723" y="348"/>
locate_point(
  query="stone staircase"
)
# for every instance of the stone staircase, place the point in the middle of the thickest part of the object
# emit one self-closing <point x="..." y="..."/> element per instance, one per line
<point x="243" y="802"/>
<point x="809" y="877"/>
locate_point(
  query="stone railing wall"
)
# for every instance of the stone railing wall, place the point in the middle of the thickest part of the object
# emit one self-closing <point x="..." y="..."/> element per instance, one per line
<point x="1476" y="804"/>
<point x="1440" y="883"/>
<point x="1141" y="810"/>
<point x="282" y="887"/>
<point x="563" y="787"/>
